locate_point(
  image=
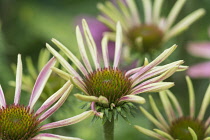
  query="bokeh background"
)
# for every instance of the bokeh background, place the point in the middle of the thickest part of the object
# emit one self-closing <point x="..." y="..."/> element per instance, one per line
<point x="26" y="25"/>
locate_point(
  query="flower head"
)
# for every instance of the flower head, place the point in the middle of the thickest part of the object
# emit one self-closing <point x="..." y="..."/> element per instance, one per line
<point x="200" y="49"/>
<point x="143" y="35"/>
<point x="105" y="85"/>
<point x="178" y="125"/>
<point x="23" y="122"/>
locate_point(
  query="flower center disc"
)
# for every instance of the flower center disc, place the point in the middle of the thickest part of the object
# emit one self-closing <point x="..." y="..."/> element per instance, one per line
<point x="179" y="129"/>
<point x="16" y="123"/>
<point x="108" y="82"/>
<point x="151" y="37"/>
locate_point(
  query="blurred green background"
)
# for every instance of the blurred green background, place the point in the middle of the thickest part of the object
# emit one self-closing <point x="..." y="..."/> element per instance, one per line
<point x="26" y="25"/>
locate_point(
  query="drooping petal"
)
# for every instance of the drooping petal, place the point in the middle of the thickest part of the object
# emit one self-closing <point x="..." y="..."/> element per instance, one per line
<point x="201" y="49"/>
<point x="18" y="80"/>
<point x="48" y="136"/>
<point x="56" y="106"/>
<point x="53" y="98"/>
<point x="40" y="82"/>
<point x="199" y="70"/>
<point x="61" y="73"/>
<point x="164" y="134"/>
<point x="2" y="98"/>
<point x="132" y="98"/>
<point x="68" y="121"/>
<point x="193" y="134"/>
<point x="86" y="98"/>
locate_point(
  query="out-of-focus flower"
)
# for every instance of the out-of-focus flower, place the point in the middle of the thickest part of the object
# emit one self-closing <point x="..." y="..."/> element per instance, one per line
<point x="200" y="49"/>
<point x="147" y="33"/>
<point x="177" y="125"/>
<point x="22" y="122"/>
<point x="108" y="88"/>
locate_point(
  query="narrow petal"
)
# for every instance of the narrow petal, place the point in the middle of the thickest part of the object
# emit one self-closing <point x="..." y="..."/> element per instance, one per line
<point x="2" y="99"/>
<point x="155" y="62"/>
<point x="53" y="98"/>
<point x="148" y="132"/>
<point x="174" y="13"/>
<point x="48" y="136"/>
<point x="199" y="70"/>
<point x="156" y="10"/>
<point x="68" y="121"/>
<point x="201" y="49"/>
<point x="99" y="114"/>
<point x="63" y="62"/>
<point x="167" y="106"/>
<point x="18" y="80"/>
<point x="105" y="53"/>
<point x="79" y="84"/>
<point x="184" y="24"/>
<point x="205" y="104"/>
<point x="153" y="119"/>
<point x="175" y="102"/>
<point x="164" y="134"/>
<point x="61" y="73"/>
<point x="40" y="82"/>
<point x="147" y="11"/>
<point x="86" y="98"/>
<point x="132" y="98"/>
<point x="134" y="12"/>
<point x="154" y="87"/>
<point x="193" y="134"/>
<point x="82" y="50"/>
<point x="157" y="113"/>
<point x="91" y="44"/>
<point x="118" y="45"/>
<point x="71" y="56"/>
<point x="191" y="97"/>
<point x="56" y="106"/>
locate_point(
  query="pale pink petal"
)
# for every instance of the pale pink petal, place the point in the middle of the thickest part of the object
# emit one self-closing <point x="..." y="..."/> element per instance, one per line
<point x="56" y="106"/>
<point x="40" y="82"/>
<point x="53" y="98"/>
<point x="201" y="70"/>
<point x="18" y="80"/>
<point x="2" y="99"/>
<point x="201" y="49"/>
<point x="68" y="121"/>
<point x="48" y="136"/>
<point x="99" y="114"/>
<point x="133" y="98"/>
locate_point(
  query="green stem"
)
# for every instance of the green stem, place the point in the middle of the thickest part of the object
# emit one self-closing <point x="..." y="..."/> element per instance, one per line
<point x="109" y="129"/>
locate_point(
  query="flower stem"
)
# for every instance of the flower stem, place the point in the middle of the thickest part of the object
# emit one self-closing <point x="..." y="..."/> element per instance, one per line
<point x="109" y="129"/>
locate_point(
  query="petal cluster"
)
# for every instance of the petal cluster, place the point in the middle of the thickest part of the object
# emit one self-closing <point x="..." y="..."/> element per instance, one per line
<point x="175" y="117"/>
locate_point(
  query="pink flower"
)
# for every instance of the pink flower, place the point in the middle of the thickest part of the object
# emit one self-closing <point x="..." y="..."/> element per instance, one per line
<point x="200" y="49"/>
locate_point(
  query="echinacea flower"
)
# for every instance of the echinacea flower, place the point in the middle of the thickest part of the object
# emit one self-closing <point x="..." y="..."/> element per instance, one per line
<point x="200" y="49"/>
<point x="177" y="125"/>
<point x="106" y="85"/>
<point x="148" y="32"/>
<point x="22" y="122"/>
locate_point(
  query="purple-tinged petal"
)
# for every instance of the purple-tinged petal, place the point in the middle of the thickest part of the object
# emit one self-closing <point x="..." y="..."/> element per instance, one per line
<point x="68" y="121"/>
<point x="40" y="82"/>
<point x="2" y="98"/>
<point x="118" y="45"/>
<point x="199" y="70"/>
<point x="53" y="98"/>
<point x="56" y="106"/>
<point x="99" y="114"/>
<point x="48" y="136"/>
<point x="18" y="80"/>
<point x="201" y="49"/>
<point x="133" y="98"/>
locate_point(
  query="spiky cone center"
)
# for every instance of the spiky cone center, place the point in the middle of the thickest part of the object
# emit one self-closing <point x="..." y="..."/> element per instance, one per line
<point x="151" y="38"/>
<point x="17" y="123"/>
<point x="108" y="82"/>
<point x="179" y="128"/>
